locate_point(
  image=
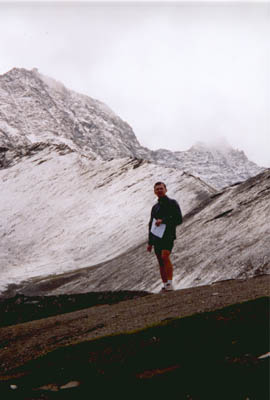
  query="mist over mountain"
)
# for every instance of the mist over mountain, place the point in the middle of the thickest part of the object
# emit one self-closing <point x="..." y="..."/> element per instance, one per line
<point x="77" y="188"/>
<point x="220" y="166"/>
<point x="35" y="108"/>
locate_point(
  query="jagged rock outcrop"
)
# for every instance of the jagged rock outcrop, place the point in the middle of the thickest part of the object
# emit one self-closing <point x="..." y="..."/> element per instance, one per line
<point x="35" y="108"/>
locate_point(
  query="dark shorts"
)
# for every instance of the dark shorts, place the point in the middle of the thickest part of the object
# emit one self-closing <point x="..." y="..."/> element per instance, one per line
<point x="163" y="244"/>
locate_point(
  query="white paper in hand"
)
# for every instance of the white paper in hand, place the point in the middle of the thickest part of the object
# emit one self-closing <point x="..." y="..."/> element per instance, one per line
<point x="158" y="230"/>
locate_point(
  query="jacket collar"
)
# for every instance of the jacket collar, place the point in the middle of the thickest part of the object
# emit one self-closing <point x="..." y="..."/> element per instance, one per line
<point x="163" y="199"/>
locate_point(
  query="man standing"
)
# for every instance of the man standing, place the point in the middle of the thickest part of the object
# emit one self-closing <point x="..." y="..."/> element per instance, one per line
<point x="165" y="216"/>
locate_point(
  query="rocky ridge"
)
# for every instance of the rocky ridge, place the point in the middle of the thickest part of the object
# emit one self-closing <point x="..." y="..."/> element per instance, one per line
<point x="220" y="166"/>
<point x="35" y="108"/>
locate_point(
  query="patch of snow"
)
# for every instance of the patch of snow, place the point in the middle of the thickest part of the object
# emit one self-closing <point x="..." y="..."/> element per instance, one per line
<point x="50" y="82"/>
<point x="64" y="213"/>
<point x="8" y="129"/>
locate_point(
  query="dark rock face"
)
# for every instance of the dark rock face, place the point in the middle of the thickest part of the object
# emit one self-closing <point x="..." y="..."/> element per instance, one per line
<point x="10" y="156"/>
<point x="35" y="108"/>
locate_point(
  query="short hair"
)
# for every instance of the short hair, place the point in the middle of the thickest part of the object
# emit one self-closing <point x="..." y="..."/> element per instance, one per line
<point x="160" y="183"/>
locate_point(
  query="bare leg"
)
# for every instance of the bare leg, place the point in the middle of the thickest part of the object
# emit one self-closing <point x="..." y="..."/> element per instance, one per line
<point x="162" y="269"/>
<point x="165" y="255"/>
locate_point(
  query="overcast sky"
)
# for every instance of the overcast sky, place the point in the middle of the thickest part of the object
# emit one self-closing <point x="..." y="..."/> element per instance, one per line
<point x="177" y="72"/>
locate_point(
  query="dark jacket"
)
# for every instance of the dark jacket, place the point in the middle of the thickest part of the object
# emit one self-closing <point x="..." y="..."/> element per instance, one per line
<point x="169" y="211"/>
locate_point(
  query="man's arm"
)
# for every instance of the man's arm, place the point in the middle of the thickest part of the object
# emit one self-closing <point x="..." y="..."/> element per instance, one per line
<point x="150" y="236"/>
<point x="178" y="219"/>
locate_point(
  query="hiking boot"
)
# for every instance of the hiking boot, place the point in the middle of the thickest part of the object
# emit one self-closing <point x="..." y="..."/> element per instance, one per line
<point x="168" y="287"/>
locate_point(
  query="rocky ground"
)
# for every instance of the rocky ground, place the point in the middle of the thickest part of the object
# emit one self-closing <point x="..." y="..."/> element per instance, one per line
<point x="207" y="342"/>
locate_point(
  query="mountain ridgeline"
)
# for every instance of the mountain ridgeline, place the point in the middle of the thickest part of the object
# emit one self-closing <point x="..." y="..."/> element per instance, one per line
<point x="35" y="108"/>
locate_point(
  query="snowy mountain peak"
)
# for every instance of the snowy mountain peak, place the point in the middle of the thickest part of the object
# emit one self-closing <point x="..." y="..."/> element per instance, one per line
<point x="219" y="168"/>
<point x="37" y="109"/>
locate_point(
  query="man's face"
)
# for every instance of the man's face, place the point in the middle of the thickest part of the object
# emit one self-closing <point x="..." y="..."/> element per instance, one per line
<point x="160" y="190"/>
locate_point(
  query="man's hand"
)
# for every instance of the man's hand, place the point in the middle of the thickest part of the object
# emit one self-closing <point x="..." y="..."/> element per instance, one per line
<point x="158" y="222"/>
<point x="149" y="248"/>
